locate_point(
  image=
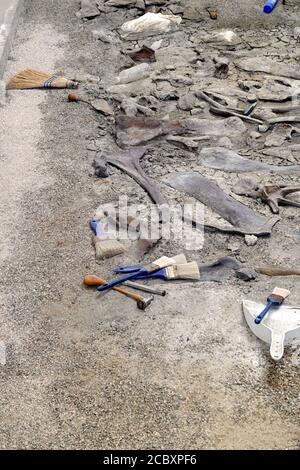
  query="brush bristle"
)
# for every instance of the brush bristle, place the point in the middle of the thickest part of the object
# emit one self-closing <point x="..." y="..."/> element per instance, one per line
<point x="30" y="78"/>
<point x="107" y="248"/>
<point x="281" y="292"/>
<point x="163" y="262"/>
<point x="188" y="271"/>
<point x="180" y="259"/>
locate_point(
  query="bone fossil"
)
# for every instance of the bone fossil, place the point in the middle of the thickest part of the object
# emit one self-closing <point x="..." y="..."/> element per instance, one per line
<point x="223" y="159"/>
<point x="243" y="219"/>
<point x="262" y="64"/>
<point x="129" y="162"/>
<point x="273" y="195"/>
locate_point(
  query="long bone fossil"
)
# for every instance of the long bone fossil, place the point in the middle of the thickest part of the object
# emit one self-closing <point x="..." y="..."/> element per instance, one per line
<point x="129" y="162"/>
<point x="220" y="158"/>
<point x="244" y="220"/>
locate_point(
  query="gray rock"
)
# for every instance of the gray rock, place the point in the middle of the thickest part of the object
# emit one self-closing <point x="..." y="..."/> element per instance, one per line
<point x="187" y="102"/>
<point x="234" y="247"/>
<point x="250" y="240"/>
<point x="89" y="9"/>
<point x="103" y="107"/>
<point x="297" y="33"/>
<point x="246" y="274"/>
<point x="140" y="5"/>
<point x="192" y="14"/>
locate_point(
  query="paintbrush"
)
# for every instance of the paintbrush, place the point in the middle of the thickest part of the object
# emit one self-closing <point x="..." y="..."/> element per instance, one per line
<point x="187" y="271"/>
<point x="275" y="299"/>
<point x="160" y="263"/>
<point x="30" y="78"/>
<point x="105" y="246"/>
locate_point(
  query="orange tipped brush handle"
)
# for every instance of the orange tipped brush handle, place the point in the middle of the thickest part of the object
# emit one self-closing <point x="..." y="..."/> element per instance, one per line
<point x="96" y="281"/>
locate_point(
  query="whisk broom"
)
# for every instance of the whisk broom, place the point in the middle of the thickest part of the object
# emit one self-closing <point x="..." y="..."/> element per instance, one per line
<point x="30" y="78"/>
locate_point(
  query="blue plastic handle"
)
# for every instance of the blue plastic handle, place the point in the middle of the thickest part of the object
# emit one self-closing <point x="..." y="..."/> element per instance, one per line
<point x="270" y="5"/>
<point x="96" y="226"/>
<point x="127" y="269"/>
<point x="262" y="315"/>
<point x="119" y="280"/>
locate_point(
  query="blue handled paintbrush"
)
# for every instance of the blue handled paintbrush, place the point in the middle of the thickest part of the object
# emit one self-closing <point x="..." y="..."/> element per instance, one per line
<point x="276" y="298"/>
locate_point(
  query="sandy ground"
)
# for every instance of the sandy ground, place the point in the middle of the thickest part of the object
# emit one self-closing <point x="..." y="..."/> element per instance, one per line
<point x="88" y="372"/>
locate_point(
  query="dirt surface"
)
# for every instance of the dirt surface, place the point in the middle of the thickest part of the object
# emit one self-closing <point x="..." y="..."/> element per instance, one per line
<point x="88" y="371"/>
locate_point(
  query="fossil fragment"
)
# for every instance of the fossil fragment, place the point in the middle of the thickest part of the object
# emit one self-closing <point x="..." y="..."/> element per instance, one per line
<point x="220" y="270"/>
<point x="136" y="130"/>
<point x="263" y="64"/>
<point x="129" y="162"/>
<point x="224" y="159"/>
<point x="273" y="195"/>
<point x="243" y="219"/>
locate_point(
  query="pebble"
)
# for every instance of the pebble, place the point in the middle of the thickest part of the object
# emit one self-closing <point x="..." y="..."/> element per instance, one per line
<point x="234" y="247"/>
<point x="250" y="240"/>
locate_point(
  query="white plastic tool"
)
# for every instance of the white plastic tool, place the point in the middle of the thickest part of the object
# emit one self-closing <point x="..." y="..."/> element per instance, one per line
<point x="281" y="327"/>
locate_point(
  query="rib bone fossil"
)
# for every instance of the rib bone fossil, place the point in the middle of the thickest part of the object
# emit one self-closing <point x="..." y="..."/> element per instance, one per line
<point x="243" y="219"/>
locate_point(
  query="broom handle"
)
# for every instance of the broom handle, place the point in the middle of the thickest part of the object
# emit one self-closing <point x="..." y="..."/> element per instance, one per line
<point x="96" y="281"/>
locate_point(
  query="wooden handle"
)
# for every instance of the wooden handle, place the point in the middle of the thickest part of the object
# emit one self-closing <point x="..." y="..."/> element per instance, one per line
<point x="277" y="271"/>
<point x="72" y="97"/>
<point x="96" y="281"/>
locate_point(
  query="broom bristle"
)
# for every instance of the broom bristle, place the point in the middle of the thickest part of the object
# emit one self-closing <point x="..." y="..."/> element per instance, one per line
<point x="108" y="248"/>
<point x="30" y="78"/>
<point x="281" y="292"/>
<point x="188" y="271"/>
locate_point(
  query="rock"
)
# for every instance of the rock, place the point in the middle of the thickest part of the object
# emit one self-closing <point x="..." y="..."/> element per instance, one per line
<point x="246" y="274"/>
<point x="187" y="102"/>
<point x="176" y="9"/>
<point x="132" y="89"/>
<point x="250" y="240"/>
<point x="156" y="45"/>
<point x="89" y="9"/>
<point x="234" y="247"/>
<point x="196" y="111"/>
<point x="103" y="107"/>
<point x="297" y="33"/>
<point x="105" y="36"/>
<point x="140" y="5"/>
<point x="192" y="14"/>
<point x="225" y="142"/>
<point x="150" y="24"/>
<point x="222" y="67"/>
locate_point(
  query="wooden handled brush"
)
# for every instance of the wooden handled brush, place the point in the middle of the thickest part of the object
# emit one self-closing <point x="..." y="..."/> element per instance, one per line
<point x="95" y="281"/>
<point x="105" y="245"/>
<point x="30" y="78"/>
